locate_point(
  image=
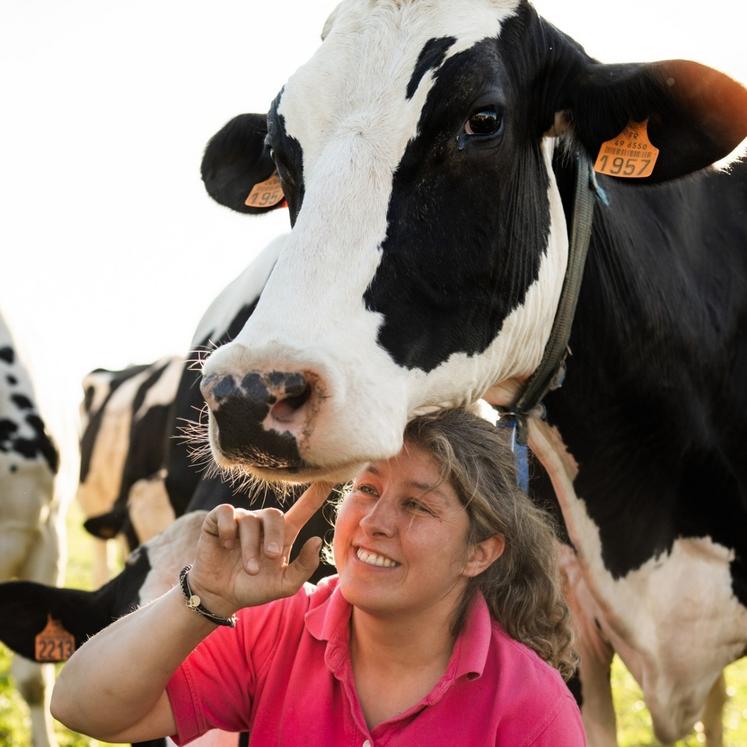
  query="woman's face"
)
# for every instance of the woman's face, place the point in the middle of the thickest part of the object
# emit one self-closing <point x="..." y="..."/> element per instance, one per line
<point x="400" y="541"/>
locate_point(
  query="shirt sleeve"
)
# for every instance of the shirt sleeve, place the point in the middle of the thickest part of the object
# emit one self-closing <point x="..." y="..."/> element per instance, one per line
<point x="214" y="686"/>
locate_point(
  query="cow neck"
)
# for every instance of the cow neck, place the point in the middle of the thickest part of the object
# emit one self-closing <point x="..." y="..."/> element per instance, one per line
<point x="551" y="369"/>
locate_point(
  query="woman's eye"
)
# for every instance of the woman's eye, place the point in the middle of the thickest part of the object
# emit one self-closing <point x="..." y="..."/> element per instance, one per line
<point x="412" y="505"/>
<point x="367" y="489"/>
<point x="484" y="122"/>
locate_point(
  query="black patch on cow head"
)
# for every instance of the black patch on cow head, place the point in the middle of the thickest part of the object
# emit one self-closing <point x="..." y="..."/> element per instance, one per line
<point x="90" y="434"/>
<point x="468" y="218"/>
<point x="89" y="394"/>
<point x="12" y="380"/>
<point x="7" y="354"/>
<point x="430" y="57"/>
<point x="287" y="155"/>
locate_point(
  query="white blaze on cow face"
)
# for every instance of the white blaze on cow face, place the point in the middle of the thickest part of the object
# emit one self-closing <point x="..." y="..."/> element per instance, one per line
<point x="342" y="130"/>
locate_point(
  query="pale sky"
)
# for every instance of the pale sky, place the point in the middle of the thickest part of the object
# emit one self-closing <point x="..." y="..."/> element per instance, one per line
<point x="110" y="248"/>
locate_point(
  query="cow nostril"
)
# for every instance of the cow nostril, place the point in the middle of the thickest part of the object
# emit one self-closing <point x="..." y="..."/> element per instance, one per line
<point x="225" y="387"/>
<point x="284" y="410"/>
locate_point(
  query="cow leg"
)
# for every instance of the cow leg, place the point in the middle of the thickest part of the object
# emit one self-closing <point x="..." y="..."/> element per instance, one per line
<point x="34" y="683"/>
<point x="594" y="652"/>
<point x="101" y="568"/>
<point x="713" y="713"/>
<point x="597" y="709"/>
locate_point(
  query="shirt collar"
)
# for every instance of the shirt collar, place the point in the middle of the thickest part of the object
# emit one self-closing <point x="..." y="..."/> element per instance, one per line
<point x="331" y="615"/>
<point x="473" y="643"/>
<point x="328" y="621"/>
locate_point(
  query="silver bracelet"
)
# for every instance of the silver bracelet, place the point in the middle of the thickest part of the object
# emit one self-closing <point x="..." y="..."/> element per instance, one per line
<point x="195" y="604"/>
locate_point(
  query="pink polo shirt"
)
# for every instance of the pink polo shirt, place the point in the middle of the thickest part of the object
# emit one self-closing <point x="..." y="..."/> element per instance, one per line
<point x="284" y="674"/>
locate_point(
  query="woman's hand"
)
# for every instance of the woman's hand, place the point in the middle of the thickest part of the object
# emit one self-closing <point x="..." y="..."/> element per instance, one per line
<point x="242" y="556"/>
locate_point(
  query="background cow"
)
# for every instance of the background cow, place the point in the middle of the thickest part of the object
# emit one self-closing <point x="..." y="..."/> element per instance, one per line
<point x="124" y="420"/>
<point x="429" y="154"/>
<point x="29" y="535"/>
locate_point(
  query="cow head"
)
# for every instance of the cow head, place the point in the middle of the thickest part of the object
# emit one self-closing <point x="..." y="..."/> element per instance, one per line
<point x="419" y="151"/>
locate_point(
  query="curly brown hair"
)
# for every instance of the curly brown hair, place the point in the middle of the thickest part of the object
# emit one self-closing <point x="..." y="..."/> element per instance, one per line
<point x="522" y="588"/>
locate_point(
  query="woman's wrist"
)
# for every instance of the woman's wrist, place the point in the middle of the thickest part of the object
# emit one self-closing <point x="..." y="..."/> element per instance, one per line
<point x="214" y="603"/>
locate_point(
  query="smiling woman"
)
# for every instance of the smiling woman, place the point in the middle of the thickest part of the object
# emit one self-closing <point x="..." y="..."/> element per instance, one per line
<point x="446" y="604"/>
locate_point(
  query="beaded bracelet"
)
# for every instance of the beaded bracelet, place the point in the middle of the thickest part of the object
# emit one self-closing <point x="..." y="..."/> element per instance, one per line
<point x="194" y="603"/>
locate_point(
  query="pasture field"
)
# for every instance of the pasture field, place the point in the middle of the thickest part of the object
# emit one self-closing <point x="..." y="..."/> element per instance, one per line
<point x="633" y="719"/>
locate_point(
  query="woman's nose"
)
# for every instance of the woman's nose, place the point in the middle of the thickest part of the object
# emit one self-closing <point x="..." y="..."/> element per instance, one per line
<point x="380" y="518"/>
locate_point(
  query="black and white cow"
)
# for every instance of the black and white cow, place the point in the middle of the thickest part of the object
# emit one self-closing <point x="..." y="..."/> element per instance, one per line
<point x="428" y="153"/>
<point x="29" y="536"/>
<point x="124" y="419"/>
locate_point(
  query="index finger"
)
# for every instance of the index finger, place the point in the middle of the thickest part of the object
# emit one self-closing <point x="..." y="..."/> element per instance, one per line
<point x="308" y="503"/>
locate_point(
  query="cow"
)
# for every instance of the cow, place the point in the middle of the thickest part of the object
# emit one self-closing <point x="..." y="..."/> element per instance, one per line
<point x="29" y="532"/>
<point x="124" y="419"/>
<point x="434" y="157"/>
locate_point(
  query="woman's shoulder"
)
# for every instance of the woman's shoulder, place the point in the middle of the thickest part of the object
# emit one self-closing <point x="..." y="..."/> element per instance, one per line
<point x="521" y="671"/>
<point x="534" y="694"/>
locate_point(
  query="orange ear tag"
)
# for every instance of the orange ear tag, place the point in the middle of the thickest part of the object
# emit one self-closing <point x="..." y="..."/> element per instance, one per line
<point x="266" y="194"/>
<point x="54" y="643"/>
<point x="630" y="155"/>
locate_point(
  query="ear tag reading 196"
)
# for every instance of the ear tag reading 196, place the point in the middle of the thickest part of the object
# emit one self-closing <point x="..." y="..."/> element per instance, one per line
<point x="266" y="194"/>
<point x="54" y="643"/>
<point x="630" y="155"/>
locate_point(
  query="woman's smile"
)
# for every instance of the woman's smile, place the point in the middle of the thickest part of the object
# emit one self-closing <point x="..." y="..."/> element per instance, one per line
<point x="369" y="557"/>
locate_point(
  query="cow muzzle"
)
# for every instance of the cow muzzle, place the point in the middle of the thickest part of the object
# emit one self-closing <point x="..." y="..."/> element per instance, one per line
<point x="261" y="419"/>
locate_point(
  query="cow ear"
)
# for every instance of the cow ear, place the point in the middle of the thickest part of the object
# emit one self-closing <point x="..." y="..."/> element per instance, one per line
<point x="695" y="115"/>
<point x="28" y="608"/>
<point x="237" y="168"/>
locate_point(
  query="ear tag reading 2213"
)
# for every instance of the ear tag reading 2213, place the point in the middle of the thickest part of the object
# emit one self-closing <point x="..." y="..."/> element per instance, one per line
<point x="266" y="194"/>
<point x="630" y="155"/>
<point x="54" y="643"/>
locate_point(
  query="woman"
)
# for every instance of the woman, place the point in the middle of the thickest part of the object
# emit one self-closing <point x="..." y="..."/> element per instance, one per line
<point x="445" y="625"/>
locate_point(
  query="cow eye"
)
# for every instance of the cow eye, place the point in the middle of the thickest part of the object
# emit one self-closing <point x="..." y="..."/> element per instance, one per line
<point x="484" y="122"/>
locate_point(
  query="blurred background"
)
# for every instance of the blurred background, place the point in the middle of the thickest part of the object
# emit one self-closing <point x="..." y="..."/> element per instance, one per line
<point x="110" y="248"/>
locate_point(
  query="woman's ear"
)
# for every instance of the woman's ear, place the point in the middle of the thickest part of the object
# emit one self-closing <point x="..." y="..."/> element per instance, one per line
<point x="483" y="554"/>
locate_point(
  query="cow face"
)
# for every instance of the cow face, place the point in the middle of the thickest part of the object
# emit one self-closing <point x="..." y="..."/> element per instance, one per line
<point x="415" y="150"/>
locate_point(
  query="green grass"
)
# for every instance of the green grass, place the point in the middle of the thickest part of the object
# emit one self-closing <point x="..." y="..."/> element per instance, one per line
<point x="634" y="726"/>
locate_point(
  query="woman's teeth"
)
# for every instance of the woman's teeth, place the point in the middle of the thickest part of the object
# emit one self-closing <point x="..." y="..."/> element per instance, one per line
<point x="371" y="558"/>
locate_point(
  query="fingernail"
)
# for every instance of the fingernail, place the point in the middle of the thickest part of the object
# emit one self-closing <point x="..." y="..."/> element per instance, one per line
<point x="228" y="544"/>
<point x="252" y="566"/>
<point x="273" y="549"/>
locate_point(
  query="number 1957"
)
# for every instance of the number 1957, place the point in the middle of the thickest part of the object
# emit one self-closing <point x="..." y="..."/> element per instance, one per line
<point x="624" y="166"/>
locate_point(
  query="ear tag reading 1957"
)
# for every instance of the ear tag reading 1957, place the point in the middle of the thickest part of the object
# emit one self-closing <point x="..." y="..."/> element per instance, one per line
<point x="630" y="155"/>
<point x="54" y="643"/>
<point x="266" y="194"/>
